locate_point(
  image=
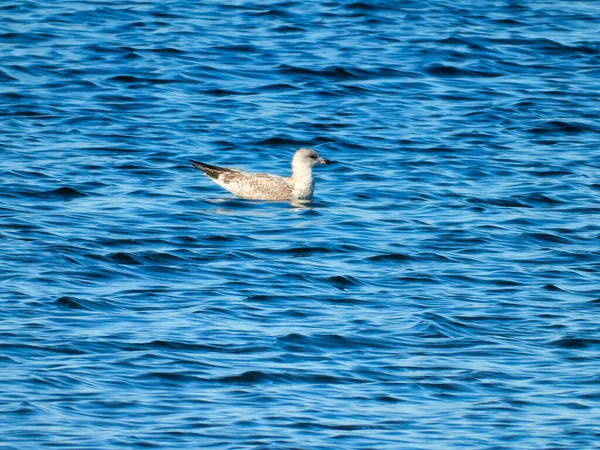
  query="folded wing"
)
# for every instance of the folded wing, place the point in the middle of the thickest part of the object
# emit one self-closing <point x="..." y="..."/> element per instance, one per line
<point x="257" y="186"/>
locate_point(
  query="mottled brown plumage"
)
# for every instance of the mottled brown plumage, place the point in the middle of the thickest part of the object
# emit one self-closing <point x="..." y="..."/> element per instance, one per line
<point x="262" y="186"/>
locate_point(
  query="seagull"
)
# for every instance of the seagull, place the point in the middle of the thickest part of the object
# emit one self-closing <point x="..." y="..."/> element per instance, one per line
<point x="263" y="186"/>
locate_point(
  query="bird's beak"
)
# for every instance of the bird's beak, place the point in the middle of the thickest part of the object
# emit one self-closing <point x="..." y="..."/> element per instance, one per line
<point x="324" y="161"/>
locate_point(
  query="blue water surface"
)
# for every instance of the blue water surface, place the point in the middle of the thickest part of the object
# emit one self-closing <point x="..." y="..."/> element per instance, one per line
<point x="442" y="291"/>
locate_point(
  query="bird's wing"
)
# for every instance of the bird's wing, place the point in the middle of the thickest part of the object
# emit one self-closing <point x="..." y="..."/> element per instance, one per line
<point x="212" y="171"/>
<point x="257" y="186"/>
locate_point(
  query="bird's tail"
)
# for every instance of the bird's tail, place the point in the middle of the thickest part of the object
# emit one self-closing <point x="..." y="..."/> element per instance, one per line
<point x="210" y="170"/>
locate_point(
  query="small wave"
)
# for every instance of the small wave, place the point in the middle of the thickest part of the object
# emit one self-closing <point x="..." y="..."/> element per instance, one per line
<point x="509" y="22"/>
<point x="168" y="51"/>
<point x="274" y="13"/>
<point x="551" y="173"/>
<point x="276" y="141"/>
<point x="506" y="203"/>
<point x="419" y="278"/>
<point x="253" y="377"/>
<point x="194" y="347"/>
<point x="26" y="38"/>
<point x="307" y="251"/>
<point x="553" y="288"/>
<point x="288" y="29"/>
<point x="221" y="238"/>
<point x="4" y="77"/>
<point x="537" y="199"/>
<point x="62" y="193"/>
<point x="249" y="377"/>
<point x="341" y="73"/>
<point x="239" y="48"/>
<point x="553" y="47"/>
<point x="140" y="258"/>
<point x="172" y="376"/>
<point x="461" y="42"/>
<point x="14" y="96"/>
<point x="439" y="70"/>
<point x="30" y="113"/>
<point x="104" y="49"/>
<point x="68" y="302"/>
<point x="224" y="92"/>
<point x="563" y="127"/>
<point x="575" y="343"/>
<point x="130" y="79"/>
<point x="332" y="341"/>
<point x="160" y="257"/>
<point x="342" y="282"/>
<point x="391" y="257"/>
<point x="278" y="87"/>
<point x="124" y="258"/>
<point x="66" y="192"/>
<point x="547" y="237"/>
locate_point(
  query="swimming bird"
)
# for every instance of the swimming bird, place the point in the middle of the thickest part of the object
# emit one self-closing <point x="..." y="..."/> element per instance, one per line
<point x="263" y="186"/>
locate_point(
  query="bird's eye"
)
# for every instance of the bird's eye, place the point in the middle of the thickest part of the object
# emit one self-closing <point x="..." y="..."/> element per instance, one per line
<point x="313" y="156"/>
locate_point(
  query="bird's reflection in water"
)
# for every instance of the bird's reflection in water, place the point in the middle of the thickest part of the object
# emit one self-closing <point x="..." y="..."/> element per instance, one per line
<point x="238" y="206"/>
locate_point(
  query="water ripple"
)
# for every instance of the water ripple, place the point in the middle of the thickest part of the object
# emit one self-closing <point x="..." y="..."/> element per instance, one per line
<point x="441" y="287"/>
